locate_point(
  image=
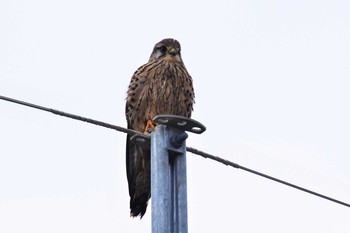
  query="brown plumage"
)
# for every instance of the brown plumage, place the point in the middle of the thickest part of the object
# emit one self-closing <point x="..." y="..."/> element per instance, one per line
<point x="161" y="86"/>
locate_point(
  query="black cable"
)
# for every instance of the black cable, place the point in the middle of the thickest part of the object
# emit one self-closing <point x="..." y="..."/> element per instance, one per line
<point x="235" y="165"/>
<point x="69" y="115"/>
<point x="189" y="149"/>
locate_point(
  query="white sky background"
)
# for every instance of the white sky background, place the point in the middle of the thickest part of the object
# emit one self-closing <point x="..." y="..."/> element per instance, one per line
<point x="272" y="86"/>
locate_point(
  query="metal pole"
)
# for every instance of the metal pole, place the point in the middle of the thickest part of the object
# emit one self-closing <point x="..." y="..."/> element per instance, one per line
<point x="160" y="181"/>
<point x="179" y="194"/>
<point x="168" y="180"/>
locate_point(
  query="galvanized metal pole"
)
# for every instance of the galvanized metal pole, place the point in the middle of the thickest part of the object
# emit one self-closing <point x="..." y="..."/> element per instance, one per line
<point x="179" y="191"/>
<point x="160" y="177"/>
<point x="168" y="172"/>
<point x="168" y="180"/>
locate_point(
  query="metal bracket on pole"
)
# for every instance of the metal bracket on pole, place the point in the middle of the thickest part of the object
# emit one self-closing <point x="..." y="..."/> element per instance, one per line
<point x="142" y="140"/>
<point x="168" y="172"/>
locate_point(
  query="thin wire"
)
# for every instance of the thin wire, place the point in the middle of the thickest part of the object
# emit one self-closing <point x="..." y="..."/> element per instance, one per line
<point x="69" y="115"/>
<point x="235" y="165"/>
<point x="189" y="149"/>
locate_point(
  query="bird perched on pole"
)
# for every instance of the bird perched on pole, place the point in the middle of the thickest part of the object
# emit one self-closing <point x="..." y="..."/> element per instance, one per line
<point x="161" y="86"/>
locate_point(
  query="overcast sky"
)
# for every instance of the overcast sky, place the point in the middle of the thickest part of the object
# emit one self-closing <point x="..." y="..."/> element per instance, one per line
<point x="272" y="87"/>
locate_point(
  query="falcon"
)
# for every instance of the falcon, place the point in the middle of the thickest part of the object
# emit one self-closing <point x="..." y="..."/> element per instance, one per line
<point x="161" y="86"/>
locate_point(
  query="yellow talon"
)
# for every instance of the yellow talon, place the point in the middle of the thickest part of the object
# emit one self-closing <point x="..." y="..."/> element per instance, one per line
<point x="149" y="127"/>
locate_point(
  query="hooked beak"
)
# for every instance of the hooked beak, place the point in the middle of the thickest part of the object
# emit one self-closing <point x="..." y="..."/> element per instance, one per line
<point x="172" y="51"/>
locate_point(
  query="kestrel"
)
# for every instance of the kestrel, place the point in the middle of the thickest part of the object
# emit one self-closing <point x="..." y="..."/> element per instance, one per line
<point x="161" y="86"/>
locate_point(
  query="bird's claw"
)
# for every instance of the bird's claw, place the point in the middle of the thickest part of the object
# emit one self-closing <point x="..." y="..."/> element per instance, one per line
<point x="149" y="127"/>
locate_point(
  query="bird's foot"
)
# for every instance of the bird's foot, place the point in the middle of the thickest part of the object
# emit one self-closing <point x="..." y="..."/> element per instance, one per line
<point x="149" y="127"/>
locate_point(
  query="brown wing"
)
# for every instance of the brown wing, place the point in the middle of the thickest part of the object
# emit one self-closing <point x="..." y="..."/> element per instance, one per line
<point x="138" y="174"/>
<point x="137" y="158"/>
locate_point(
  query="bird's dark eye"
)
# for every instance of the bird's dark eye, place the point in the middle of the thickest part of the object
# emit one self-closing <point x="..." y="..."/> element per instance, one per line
<point x="162" y="49"/>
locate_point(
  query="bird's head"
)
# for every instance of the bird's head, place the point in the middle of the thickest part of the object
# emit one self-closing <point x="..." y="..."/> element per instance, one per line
<point x="167" y="49"/>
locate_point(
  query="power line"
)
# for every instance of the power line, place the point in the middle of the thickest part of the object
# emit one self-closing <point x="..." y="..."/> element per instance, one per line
<point x="189" y="149"/>
<point x="235" y="165"/>
<point x="69" y="115"/>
